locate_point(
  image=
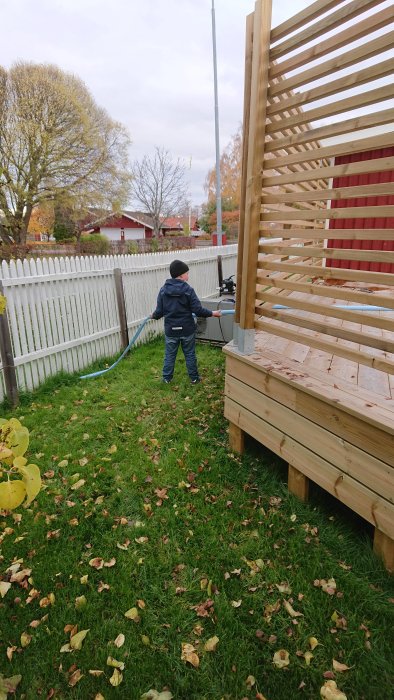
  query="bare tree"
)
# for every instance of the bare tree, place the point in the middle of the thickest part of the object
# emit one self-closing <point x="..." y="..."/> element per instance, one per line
<point x="56" y="143"/>
<point x="159" y="186"/>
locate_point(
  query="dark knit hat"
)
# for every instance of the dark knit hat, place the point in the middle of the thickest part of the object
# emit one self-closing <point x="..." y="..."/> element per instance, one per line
<point x="178" y="268"/>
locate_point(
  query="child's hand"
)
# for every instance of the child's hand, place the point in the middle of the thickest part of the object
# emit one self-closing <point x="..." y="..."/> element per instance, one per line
<point x="216" y="313"/>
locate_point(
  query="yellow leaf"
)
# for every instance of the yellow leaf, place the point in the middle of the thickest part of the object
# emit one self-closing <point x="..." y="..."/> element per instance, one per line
<point x="337" y="666"/>
<point x="77" y="639"/>
<point x="115" y="663"/>
<point x="95" y="672"/>
<point x="308" y="656"/>
<point x="281" y="658"/>
<point x="84" y="579"/>
<point x="290" y="610"/>
<point x="313" y="643"/>
<point x="132" y="614"/>
<point x="119" y="641"/>
<point x="75" y="678"/>
<point x="83" y="461"/>
<point x="80" y="602"/>
<point x="250" y="682"/>
<point x="4" y="588"/>
<point x="63" y="463"/>
<point x="189" y="655"/>
<point x="98" y="696"/>
<point x="236" y="603"/>
<point x="111" y="450"/>
<point x="330" y="691"/>
<point x="19" y="462"/>
<point x="25" y="639"/>
<point x="32" y="480"/>
<point x="97" y="563"/>
<point x="78" y="485"/>
<point x="145" y="640"/>
<point x="65" y="648"/>
<point x="12" y="493"/>
<point x="116" y="678"/>
<point x="211" y="644"/>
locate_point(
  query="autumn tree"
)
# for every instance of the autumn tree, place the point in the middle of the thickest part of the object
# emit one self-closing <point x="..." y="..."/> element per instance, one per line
<point x="55" y="143"/>
<point x="42" y="219"/>
<point x="230" y="174"/>
<point x="159" y="186"/>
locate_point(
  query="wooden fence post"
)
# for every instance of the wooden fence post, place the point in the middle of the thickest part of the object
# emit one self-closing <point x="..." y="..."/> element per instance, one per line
<point x="7" y="358"/>
<point x="220" y="270"/>
<point x="121" y="306"/>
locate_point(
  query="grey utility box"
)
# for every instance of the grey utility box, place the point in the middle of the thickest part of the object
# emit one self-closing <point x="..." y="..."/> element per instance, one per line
<point x="216" y="330"/>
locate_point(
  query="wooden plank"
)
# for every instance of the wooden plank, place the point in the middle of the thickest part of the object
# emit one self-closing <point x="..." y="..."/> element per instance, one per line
<point x="340" y="273"/>
<point x="298" y="483"/>
<point x="363" y="99"/>
<point x="358" y="30"/>
<point x="339" y="149"/>
<point x="331" y="310"/>
<point x="317" y="341"/>
<point x="332" y="292"/>
<point x="362" y="500"/>
<point x="7" y="358"/>
<point x="245" y="150"/>
<point x="351" y="458"/>
<point x="316" y="233"/>
<point x="383" y="546"/>
<point x="368" y="254"/>
<point x="374" y="165"/>
<point x="279" y="141"/>
<point x="384" y="188"/>
<point x="333" y="403"/>
<point x="344" y="60"/>
<point x="256" y="139"/>
<point x="236" y="438"/>
<point x="376" y="212"/>
<point x="303" y="17"/>
<point x="326" y="24"/>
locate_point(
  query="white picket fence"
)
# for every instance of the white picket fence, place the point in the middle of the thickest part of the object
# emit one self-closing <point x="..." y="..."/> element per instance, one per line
<point x="63" y="313"/>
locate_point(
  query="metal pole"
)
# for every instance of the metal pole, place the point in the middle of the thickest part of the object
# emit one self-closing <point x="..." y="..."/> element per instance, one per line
<point x="218" y="185"/>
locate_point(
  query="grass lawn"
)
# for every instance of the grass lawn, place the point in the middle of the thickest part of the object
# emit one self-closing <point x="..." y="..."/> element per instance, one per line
<point x="146" y="511"/>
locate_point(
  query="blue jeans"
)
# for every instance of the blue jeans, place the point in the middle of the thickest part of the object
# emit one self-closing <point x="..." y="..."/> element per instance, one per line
<point x="188" y="345"/>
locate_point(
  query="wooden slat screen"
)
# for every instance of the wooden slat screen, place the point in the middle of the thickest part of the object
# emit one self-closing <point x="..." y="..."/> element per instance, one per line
<point x="328" y="98"/>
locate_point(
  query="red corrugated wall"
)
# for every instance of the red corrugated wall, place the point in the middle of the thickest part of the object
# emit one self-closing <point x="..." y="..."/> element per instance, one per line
<point x="378" y="223"/>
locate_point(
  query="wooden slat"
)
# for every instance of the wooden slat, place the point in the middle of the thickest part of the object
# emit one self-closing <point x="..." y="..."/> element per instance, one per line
<point x="384" y="188"/>
<point x="358" y="30"/>
<point x="362" y="500"/>
<point x="256" y="140"/>
<point x="340" y="273"/>
<point x="314" y="397"/>
<point x="380" y="234"/>
<point x="308" y="15"/>
<point x="364" y="99"/>
<point x="340" y="452"/>
<point x="347" y="82"/>
<point x="327" y="345"/>
<point x="325" y="152"/>
<point x="326" y="328"/>
<point x="326" y="24"/>
<point x="245" y="149"/>
<point x="345" y="126"/>
<point x="363" y="167"/>
<point x="368" y="255"/>
<point x="345" y="60"/>
<point x="331" y="292"/>
<point x="378" y="212"/>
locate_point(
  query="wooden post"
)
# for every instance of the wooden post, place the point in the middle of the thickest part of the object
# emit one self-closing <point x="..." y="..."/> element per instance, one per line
<point x="7" y="358"/>
<point x="298" y="483"/>
<point x="236" y="438"/>
<point x="383" y="546"/>
<point x="121" y="306"/>
<point x="220" y="270"/>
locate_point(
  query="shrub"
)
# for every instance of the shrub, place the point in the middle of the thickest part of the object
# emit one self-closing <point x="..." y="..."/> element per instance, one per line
<point x="94" y="244"/>
<point x="132" y="248"/>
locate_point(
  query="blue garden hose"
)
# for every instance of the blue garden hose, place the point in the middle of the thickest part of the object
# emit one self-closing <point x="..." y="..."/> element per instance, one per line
<point x="361" y="307"/>
<point x="132" y="341"/>
<point x="225" y="312"/>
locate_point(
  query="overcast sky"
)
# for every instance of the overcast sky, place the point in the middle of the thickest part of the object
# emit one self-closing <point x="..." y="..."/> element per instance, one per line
<point x="148" y="62"/>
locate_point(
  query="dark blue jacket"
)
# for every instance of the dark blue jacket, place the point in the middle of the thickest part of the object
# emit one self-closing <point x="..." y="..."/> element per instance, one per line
<point x="177" y="301"/>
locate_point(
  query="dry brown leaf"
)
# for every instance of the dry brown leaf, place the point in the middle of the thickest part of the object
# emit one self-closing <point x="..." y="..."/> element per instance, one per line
<point x="330" y="691"/>
<point x="337" y="666"/>
<point x="211" y="644"/>
<point x="120" y="640"/>
<point x="75" y="678"/>
<point x="189" y="655"/>
<point x="281" y="658"/>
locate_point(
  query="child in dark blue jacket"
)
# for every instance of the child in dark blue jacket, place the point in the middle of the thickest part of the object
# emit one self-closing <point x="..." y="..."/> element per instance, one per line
<point x="177" y="302"/>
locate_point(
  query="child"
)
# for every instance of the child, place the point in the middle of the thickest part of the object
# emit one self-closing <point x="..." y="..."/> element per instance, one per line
<point x="177" y="302"/>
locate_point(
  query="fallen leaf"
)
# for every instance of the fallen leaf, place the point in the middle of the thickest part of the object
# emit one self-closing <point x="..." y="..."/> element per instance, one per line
<point x="25" y="639"/>
<point x="290" y="610"/>
<point x="110" y="563"/>
<point x="211" y="644"/>
<point x="308" y="656"/>
<point x="250" y="682"/>
<point x="111" y="450"/>
<point x="77" y="639"/>
<point x="236" y="603"/>
<point x="95" y="672"/>
<point x="80" y="602"/>
<point x="337" y="666"/>
<point x="120" y="640"/>
<point x="281" y="658"/>
<point x="189" y="655"/>
<point x="116" y="678"/>
<point x="77" y="485"/>
<point x="330" y="691"/>
<point x="132" y="614"/>
<point x="8" y="685"/>
<point x="313" y="643"/>
<point x="97" y="563"/>
<point x="115" y="663"/>
<point x="4" y="588"/>
<point x="75" y="678"/>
